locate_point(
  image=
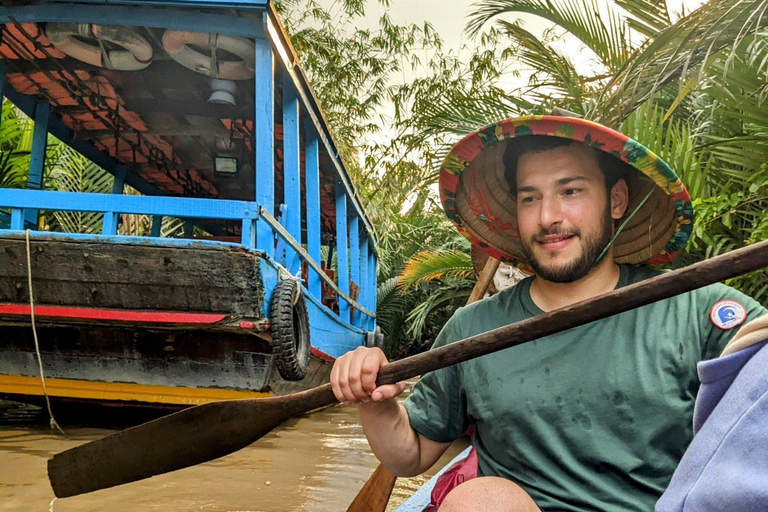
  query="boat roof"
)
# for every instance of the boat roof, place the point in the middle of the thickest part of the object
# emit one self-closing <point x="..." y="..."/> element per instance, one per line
<point x="157" y="123"/>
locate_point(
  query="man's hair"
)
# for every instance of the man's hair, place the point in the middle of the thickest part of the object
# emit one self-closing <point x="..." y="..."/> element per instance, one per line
<point x="612" y="168"/>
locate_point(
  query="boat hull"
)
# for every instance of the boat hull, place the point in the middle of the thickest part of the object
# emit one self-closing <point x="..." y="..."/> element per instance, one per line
<point x="95" y="348"/>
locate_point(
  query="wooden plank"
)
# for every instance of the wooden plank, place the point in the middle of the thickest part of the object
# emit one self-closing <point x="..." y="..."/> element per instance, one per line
<point x="303" y="253"/>
<point x="83" y="274"/>
<point x="342" y="246"/>
<point x="483" y="280"/>
<point x="312" y="188"/>
<point x="291" y="172"/>
<point x="264" y="121"/>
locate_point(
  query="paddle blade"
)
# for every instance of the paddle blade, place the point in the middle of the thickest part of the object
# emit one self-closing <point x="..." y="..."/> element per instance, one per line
<point x="182" y="439"/>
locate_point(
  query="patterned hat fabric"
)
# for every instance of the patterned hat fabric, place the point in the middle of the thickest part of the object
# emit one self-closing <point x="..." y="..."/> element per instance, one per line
<point x="477" y="197"/>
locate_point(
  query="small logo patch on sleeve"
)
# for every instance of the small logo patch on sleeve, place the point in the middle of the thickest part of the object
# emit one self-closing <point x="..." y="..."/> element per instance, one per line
<point x="727" y="314"/>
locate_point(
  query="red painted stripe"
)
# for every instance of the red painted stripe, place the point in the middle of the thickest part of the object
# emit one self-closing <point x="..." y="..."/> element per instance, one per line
<point x="321" y="355"/>
<point x="158" y="317"/>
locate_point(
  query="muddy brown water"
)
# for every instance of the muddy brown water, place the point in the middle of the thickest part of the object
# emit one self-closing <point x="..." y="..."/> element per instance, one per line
<point x="315" y="463"/>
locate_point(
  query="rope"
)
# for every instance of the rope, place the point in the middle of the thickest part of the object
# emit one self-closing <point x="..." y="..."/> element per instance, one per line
<point x="53" y="422"/>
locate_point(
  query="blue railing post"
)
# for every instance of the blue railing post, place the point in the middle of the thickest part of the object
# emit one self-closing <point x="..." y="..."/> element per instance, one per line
<point x="312" y="186"/>
<point x="248" y="233"/>
<point x="157" y="224"/>
<point x="373" y="288"/>
<point x="291" y="173"/>
<point x="109" y="226"/>
<point x="17" y="219"/>
<point x="2" y="84"/>
<point x="354" y="258"/>
<point x="264" y="133"/>
<point x="342" y="251"/>
<point x="37" y="158"/>
<point x="364" y="281"/>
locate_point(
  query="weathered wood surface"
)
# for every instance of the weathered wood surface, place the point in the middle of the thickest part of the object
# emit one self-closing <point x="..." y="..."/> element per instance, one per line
<point x="121" y="276"/>
<point x="206" y="432"/>
<point x="152" y="357"/>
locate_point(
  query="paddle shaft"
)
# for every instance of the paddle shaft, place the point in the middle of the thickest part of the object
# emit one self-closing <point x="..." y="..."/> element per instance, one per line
<point x="209" y="431"/>
<point x="669" y="284"/>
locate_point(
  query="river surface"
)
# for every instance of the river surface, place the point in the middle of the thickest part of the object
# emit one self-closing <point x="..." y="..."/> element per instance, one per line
<point x="315" y="463"/>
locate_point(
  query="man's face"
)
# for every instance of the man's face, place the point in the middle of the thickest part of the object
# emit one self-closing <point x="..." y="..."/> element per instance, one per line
<point x="564" y="213"/>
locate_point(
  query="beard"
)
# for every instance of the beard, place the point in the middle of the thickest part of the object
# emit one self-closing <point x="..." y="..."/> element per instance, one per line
<point x="591" y="246"/>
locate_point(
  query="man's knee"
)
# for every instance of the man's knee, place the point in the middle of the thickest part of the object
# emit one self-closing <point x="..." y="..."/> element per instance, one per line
<point x="488" y="493"/>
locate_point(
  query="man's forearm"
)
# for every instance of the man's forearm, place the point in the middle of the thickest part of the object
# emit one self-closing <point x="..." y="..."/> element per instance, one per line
<point x="394" y="442"/>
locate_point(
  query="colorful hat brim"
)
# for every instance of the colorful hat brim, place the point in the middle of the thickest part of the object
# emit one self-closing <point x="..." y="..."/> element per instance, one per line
<point x="477" y="198"/>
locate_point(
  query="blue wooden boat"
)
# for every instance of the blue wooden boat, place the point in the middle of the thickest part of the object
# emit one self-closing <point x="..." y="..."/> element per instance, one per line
<point x="201" y="107"/>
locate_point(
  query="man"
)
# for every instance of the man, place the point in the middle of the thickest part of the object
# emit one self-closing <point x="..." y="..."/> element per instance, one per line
<point x="594" y="418"/>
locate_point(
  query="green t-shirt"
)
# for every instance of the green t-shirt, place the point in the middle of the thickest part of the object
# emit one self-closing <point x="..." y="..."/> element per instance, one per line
<point x="594" y="418"/>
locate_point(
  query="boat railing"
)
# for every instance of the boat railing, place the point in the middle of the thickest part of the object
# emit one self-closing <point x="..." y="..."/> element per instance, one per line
<point x="112" y="206"/>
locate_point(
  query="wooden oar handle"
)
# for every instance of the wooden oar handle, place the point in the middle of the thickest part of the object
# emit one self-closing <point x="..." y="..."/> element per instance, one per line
<point x="669" y="284"/>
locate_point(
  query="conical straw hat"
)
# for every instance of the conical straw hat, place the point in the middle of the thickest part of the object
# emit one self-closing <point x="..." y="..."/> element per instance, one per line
<point x="477" y="197"/>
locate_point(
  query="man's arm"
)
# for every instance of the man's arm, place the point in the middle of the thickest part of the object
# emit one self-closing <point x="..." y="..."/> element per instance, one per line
<point x="385" y="422"/>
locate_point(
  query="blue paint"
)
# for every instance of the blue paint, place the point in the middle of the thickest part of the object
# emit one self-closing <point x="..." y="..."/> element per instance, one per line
<point x="243" y="4"/>
<point x="139" y="205"/>
<point x="312" y="191"/>
<point x="328" y="332"/>
<point x="291" y="173"/>
<point x="354" y="258"/>
<point x="17" y="219"/>
<point x="364" y="280"/>
<point x="269" y="278"/>
<point x="109" y="226"/>
<point x="2" y="85"/>
<point x="281" y="243"/>
<point x="138" y="14"/>
<point x="264" y="128"/>
<point x="373" y="273"/>
<point x="37" y="158"/>
<point x="248" y="233"/>
<point x="342" y="249"/>
<point x="127" y="240"/>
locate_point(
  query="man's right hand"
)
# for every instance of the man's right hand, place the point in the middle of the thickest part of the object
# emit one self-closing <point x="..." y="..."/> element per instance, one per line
<point x="353" y="377"/>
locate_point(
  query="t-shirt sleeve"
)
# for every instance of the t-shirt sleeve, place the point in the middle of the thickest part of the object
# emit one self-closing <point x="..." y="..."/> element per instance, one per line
<point x="437" y="406"/>
<point x="718" y="338"/>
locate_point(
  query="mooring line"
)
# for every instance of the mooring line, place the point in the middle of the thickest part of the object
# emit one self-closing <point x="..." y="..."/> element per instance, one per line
<point x="53" y="422"/>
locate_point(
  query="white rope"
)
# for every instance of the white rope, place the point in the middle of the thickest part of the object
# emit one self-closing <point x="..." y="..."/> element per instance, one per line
<point x="54" y="424"/>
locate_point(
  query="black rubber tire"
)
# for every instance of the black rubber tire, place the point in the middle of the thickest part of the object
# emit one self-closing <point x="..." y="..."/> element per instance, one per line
<point x="290" y="330"/>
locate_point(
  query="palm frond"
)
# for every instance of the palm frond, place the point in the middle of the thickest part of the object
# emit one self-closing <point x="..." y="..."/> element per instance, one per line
<point x="676" y="51"/>
<point x="438" y="264"/>
<point x="648" y="17"/>
<point x="605" y="33"/>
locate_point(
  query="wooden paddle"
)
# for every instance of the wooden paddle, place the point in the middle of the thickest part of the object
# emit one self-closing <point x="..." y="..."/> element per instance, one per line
<point x="209" y="431"/>
<point x="374" y="495"/>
